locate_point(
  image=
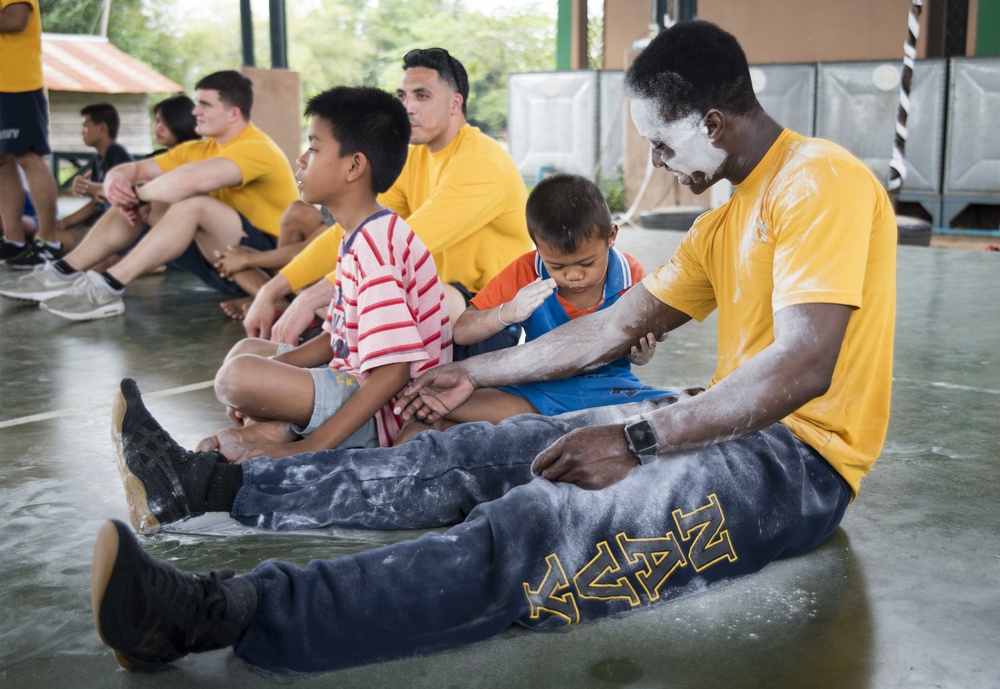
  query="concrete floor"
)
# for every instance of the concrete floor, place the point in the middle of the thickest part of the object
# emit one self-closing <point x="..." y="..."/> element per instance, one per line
<point x="905" y="594"/>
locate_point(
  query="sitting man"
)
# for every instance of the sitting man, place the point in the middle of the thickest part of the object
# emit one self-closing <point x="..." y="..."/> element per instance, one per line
<point x="800" y="264"/>
<point x="460" y="192"/>
<point x="202" y="196"/>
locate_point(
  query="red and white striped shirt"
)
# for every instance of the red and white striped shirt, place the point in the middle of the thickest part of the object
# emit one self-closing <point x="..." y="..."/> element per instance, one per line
<point x="388" y="307"/>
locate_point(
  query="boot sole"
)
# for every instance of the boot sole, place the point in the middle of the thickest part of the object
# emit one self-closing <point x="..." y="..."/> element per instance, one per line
<point x="142" y="518"/>
<point x="105" y="555"/>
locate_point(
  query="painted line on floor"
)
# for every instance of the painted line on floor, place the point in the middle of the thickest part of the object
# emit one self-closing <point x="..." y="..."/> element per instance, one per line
<point x="946" y="386"/>
<point x="59" y="413"/>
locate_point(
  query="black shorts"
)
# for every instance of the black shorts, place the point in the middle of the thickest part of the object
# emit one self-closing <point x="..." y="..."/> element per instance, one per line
<point x="192" y="260"/>
<point x="24" y="123"/>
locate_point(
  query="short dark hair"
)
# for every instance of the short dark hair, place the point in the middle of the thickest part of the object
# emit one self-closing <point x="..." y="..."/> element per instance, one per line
<point x="364" y="119"/>
<point x="235" y="90"/>
<point x="177" y="113"/>
<point x="449" y="69"/>
<point x="103" y="113"/>
<point x="692" y="67"/>
<point x="564" y="210"/>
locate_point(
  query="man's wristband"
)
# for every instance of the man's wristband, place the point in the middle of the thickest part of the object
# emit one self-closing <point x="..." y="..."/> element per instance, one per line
<point x="135" y="192"/>
<point x="641" y="440"/>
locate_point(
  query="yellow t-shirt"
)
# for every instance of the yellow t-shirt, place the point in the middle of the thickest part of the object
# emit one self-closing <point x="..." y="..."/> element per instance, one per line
<point x="810" y="224"/>
<point x="268" y="185"/>
<point x="465" y="202"/>
<point x="21" y="53"/>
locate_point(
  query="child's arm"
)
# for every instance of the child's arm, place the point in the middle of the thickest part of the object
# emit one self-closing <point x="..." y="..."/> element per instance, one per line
<point x="81" y="214"/>
<point x="475" y="325"/>
<point x="315" y="352"/>
<point x="381" y="385"/>
<point x="642" y="353"/>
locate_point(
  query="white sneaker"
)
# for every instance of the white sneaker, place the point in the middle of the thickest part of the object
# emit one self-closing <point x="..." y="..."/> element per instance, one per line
<point x="44" y="282"/>
<point x="89" y="299"/>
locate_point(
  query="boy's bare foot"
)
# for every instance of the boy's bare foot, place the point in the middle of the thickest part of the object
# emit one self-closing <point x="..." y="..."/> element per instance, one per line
<point x="236" y="308"/>
<point x="237" y="444"/>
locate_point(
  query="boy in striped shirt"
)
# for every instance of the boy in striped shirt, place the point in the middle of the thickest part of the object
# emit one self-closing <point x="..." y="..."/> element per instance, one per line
<point x="387" y="321"/>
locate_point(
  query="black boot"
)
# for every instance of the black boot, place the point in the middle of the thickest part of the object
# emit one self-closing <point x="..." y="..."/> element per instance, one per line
<point x="151" y="613"/>
<point x="163" y="482"/>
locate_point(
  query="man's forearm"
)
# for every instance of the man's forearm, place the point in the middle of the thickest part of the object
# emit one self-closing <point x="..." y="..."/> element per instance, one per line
<point x="777" y="381"/>
<point x="583" y="343"/>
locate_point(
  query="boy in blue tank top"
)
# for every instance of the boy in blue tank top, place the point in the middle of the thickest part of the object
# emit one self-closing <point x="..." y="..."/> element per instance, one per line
<point x="574" y="271"/>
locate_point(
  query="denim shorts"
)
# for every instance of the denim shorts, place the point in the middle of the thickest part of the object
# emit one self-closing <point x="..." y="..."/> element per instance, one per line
<point x="332" y="389"/>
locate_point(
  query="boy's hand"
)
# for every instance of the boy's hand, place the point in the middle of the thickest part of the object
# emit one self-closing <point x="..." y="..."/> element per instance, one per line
<point x="642" y="353"/>
<point x="438" y="391"/>
<point x="527" y="299"/>
<point x="81" y="185"/>
<point x="231" y="261"/>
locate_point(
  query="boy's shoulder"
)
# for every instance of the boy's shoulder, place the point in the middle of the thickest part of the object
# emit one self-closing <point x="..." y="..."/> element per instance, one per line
<point x="383" y="235"/>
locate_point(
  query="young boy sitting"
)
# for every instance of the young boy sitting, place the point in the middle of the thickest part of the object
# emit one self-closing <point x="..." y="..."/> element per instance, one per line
<point x="387" y="321"/>
<point x="99" y="130"/>
<point x="575" y="270"/>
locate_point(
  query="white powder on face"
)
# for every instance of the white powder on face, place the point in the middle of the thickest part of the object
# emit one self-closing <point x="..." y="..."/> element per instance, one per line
<point x="687" y="138"/>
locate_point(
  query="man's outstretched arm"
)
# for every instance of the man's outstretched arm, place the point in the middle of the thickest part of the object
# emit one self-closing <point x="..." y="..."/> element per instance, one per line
<point x="192" y="179"/>
<point x="581" y="344"/>
<point x="796" y="368"/>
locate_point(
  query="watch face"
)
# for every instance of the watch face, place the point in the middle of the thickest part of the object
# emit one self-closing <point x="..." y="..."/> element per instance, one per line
<point x="641" y="437"/>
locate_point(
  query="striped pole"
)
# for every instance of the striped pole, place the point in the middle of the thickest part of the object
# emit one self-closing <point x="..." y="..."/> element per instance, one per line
<point x="897" y="164"/>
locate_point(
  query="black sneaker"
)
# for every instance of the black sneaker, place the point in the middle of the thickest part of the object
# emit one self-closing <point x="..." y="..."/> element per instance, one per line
<point x="36" y="253"/>
<point x="163" y="482"/>
<point x="9" y="250"/>
<point x="151" y="613"/>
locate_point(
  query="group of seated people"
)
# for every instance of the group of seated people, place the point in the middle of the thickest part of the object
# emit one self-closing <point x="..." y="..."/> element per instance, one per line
<point x="557" y="517"/>
<point x="217" y="201"/>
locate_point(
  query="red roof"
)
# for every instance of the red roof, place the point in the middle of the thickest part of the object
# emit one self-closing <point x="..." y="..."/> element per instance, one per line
<point x="92" y="64"/>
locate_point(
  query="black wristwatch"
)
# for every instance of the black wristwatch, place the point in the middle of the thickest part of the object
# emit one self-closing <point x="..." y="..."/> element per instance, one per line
<point x="641" y="440"/>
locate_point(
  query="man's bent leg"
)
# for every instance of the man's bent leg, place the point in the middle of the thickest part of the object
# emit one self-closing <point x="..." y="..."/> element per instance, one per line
<point x="110" y="234"/>
<point x="549" y="555"/>
<point x="174" y="233"/>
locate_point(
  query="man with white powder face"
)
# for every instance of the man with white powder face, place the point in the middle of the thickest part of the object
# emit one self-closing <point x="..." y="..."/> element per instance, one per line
<point x="575" y="517"/>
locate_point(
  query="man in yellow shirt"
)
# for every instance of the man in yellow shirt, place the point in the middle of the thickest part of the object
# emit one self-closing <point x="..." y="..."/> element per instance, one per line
<point x="680" y="495"/>
<point x="459" y="191"/>
<point x="229" y="188"/>
<point x="24" y="135"/>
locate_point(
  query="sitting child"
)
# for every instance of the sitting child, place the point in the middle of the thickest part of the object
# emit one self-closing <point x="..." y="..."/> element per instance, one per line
<point x="573" y="272"/>
<point x="387" y="320"/>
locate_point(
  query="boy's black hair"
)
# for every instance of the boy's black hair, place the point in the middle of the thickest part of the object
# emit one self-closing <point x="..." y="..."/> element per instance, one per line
<point x="449" y="69"/>
<point x="693" y="66"/>
<point x="367" y="120"/>
<point x="177" y="112"/>
<point x="235" y="90"/>
<point x="103" y="113"/>
<point x="564" y="210"/>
